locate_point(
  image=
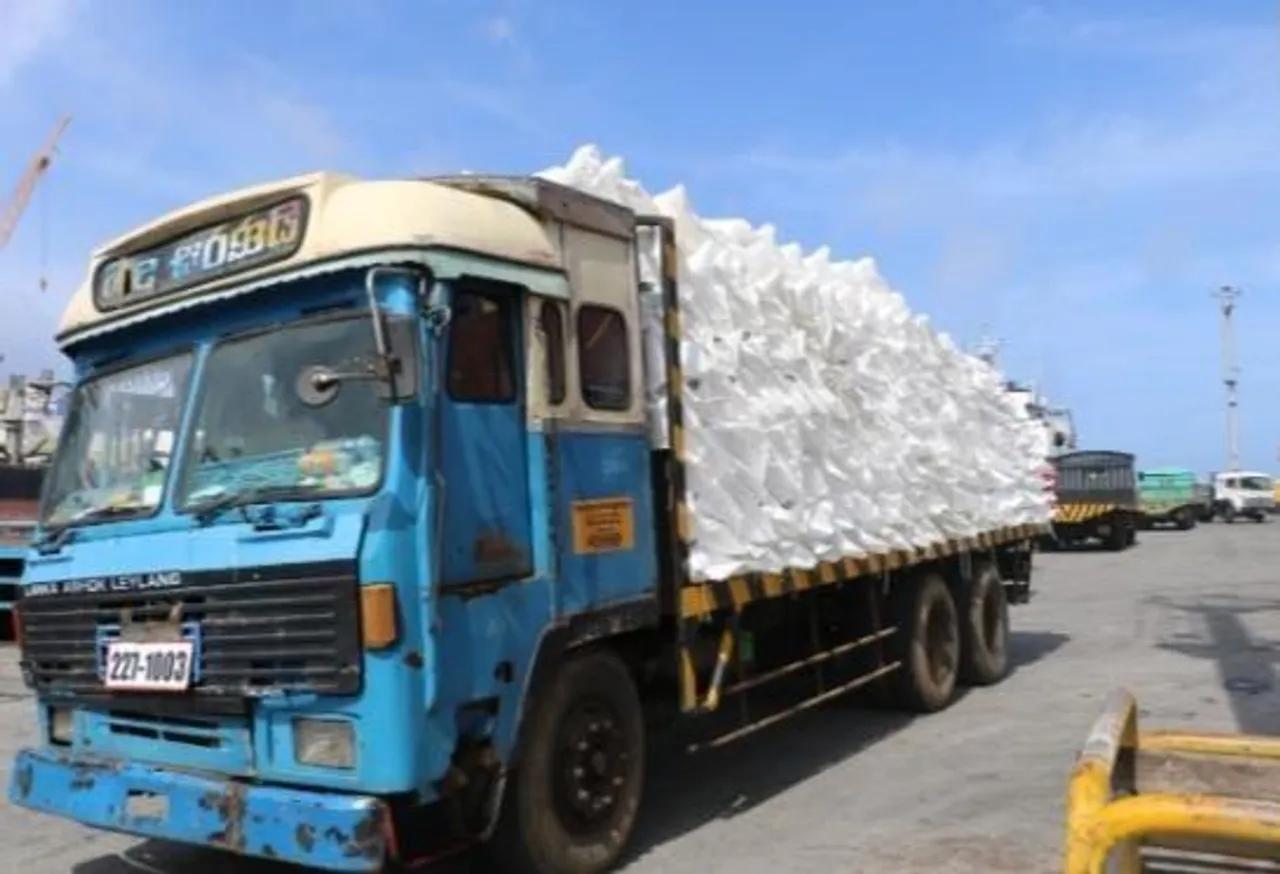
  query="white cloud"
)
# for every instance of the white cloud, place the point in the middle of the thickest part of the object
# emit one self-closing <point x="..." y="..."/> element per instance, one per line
<point x="502" y="31"/>
<point x="1199" y="129"/>
<point x="1215" y="123"/>
<point x="499" y="30"/>
<point x="28" y="28"/>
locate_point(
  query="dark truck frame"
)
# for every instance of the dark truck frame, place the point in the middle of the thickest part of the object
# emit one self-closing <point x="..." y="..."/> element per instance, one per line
<point x="1097" y="499"/>
<point x="19" y="496"/>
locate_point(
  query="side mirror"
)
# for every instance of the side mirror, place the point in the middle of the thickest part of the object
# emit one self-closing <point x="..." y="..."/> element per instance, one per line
<point x="318" y="384"/>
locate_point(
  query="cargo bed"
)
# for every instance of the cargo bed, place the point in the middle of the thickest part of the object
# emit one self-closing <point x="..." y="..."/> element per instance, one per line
<point x="703" y="599"/>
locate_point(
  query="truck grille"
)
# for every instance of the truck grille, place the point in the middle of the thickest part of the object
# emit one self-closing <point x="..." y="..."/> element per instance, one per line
<point x="259" y="630"/>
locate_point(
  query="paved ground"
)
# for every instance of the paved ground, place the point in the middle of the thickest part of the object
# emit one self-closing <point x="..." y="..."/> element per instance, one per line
<point x="1189" y="622"/>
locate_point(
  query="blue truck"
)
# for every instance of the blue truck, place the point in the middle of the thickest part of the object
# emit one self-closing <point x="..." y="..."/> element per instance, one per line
<point x="358" y="548"/>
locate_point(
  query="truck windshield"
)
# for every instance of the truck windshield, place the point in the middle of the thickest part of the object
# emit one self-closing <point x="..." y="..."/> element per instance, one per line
<point x="1256" y="483"/>
<point x="119" y="431"/>
<point x="256" y="433"/>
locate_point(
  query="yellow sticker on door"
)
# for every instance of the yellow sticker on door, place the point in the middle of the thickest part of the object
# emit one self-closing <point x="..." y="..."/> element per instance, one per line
<point x="603" y="525"/>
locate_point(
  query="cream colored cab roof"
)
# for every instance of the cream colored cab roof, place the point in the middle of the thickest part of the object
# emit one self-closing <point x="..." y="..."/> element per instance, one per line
<point x="347" y="216"/>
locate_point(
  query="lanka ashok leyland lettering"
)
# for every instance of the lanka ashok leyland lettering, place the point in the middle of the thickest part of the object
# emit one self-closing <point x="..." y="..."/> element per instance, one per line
<point x="355" y="548"/>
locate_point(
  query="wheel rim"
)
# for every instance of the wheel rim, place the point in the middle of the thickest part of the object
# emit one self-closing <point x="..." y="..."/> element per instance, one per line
<point x="592" y="762"/>
<point x="941" y="644"/>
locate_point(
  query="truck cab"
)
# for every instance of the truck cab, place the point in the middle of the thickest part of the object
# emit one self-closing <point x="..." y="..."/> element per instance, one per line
<point x="341" y="460"/>
<point x="1243" y="494"/>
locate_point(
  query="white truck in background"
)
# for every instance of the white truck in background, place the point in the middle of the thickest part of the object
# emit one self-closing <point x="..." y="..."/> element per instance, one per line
<point x="1243" y="493"/>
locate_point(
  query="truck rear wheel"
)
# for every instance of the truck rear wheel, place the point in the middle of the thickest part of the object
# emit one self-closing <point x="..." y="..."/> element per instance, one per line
<point x="571" y="805"/>
<point x="1185" y="520"/>
<point x="984" y="630"/>
<point x="1121" y="536"/>
<point x="927" y="644"/>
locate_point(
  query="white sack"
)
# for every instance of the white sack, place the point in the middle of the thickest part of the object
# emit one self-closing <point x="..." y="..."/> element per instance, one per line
<point x="823" y="419"/>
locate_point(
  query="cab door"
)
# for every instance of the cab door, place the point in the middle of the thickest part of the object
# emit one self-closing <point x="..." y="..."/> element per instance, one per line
<point x="486" y="530"/>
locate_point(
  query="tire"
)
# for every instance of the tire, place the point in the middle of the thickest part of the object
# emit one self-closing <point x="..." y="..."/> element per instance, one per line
<point x="927" y="644"/>
<point x="1120" y="537"/>
<point x="1229" y="514"/>
<point x="1185" y="520"/>
<point x="542" y="830"/>
<point x="984" y="629"/>
<point x="1259" y="517"/>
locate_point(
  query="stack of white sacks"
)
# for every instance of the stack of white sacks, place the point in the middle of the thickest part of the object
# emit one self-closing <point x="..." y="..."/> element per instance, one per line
<point x="823" y="419"/>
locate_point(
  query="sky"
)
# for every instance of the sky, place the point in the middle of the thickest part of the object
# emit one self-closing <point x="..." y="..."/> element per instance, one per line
<point x="1071" y="177"/>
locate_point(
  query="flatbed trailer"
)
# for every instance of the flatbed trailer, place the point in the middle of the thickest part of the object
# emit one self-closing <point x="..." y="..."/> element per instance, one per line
<point x="881" y="603"/>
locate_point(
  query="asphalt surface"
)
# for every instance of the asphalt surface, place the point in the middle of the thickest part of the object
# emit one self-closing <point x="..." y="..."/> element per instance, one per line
<point x="1190" y="622"/>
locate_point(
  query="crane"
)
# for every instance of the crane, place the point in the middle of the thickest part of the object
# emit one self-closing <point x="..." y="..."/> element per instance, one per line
<point x="16" y="205"/>
<point x="11" y="212"/>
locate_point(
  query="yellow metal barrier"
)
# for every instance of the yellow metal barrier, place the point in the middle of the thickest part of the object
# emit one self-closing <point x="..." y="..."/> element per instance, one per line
<point x="1213" y="794"/>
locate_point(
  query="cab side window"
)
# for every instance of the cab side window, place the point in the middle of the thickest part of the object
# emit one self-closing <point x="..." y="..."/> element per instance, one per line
<point x="551" y="321"/>
<point x="604" y="359"/>
<point x="481" y="362"/>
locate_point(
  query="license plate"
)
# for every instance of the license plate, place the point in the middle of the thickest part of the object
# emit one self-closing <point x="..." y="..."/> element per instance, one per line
<point x="149" y="667"/>
<point x="146" y="805"/>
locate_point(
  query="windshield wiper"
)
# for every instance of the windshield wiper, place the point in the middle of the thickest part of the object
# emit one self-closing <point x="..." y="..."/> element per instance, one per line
<point x="111" y="511"/>
<point x="54" y="536"/>
<point x="206" y="511"/>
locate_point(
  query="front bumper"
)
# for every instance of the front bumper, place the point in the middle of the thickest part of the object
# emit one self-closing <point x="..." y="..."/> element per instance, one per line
<point x="330" y="831"/>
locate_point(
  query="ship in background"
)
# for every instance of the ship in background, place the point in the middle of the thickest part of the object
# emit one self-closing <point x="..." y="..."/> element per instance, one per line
<point x="31" y="423"/>
<point x="1059" y="425"/>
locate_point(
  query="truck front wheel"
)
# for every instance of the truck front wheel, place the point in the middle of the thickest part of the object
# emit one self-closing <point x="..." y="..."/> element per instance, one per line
<point x="985" y="630"/>
<point x="571" y="804"/>
<point x="927" y="644"/>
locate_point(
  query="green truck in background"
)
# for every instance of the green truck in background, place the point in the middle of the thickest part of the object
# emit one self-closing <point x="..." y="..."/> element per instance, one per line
<point x="1170" y="496"/>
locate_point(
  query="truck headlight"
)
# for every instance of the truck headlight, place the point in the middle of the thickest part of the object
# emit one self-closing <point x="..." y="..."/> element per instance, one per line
<point x="324" y="743"/>
<point x="60" y="726"/>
